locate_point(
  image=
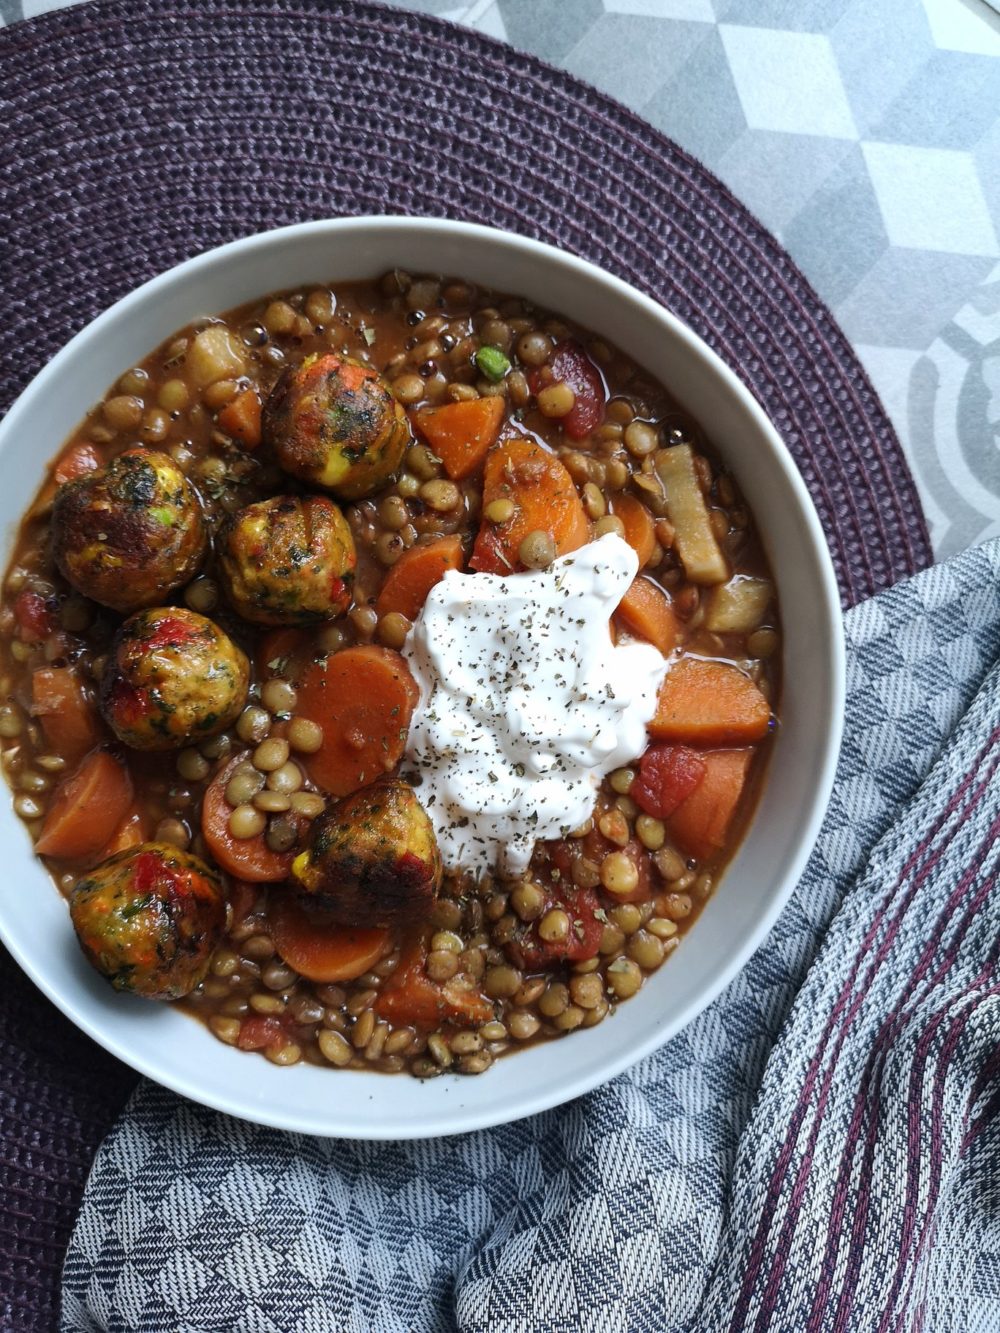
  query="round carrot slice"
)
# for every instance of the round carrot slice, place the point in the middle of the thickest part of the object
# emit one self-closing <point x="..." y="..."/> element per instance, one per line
<point x="363" y="698"/>
<point x="246" y="858"/>
<point x="322" y="950"/>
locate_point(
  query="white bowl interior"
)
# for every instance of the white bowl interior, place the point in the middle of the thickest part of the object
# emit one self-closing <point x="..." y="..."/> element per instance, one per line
<point x="168" y="1046"/>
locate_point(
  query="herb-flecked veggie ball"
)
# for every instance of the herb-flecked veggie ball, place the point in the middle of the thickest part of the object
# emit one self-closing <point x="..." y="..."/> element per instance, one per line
<point x="173" y="678"/>
<point x="130" y="533"/>
<point x="149" y="919"/>
<point x="334" y="423"/>
<point x="289" y="561"/>
<point x="373" y="859"/>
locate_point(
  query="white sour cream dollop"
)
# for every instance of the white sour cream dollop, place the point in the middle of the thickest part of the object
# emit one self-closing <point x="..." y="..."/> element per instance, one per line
<point x="525" y="703"/>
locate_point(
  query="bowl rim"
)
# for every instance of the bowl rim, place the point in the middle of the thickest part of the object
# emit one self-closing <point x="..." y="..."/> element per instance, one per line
<point x="542" y="1096"/>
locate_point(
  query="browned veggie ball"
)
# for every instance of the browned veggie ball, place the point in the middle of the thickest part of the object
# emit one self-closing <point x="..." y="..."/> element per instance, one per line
<point x="289" y="561"/>
<point x="373" y="858"/>
<point x="173" y="677"/>
<point x="149" y="919"/>
<point x="130" y="533"/>
<point x="334" y="423"/>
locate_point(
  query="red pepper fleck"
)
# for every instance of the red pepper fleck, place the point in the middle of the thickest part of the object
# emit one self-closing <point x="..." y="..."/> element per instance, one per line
<point x="171" y="632"/>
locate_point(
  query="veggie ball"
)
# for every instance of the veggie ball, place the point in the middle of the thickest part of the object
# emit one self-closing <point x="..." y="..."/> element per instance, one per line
<point x="130" y="533"/>
<point x="173" y="677"/>
<point x="334" y="423"/>
<point x="289" y="561"/>
<point x="373" y="859"/>
<point x="149" y="919"/>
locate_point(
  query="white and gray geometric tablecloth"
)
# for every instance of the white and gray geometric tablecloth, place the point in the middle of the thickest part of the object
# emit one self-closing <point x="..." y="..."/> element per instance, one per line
<point x="866" y="135"/>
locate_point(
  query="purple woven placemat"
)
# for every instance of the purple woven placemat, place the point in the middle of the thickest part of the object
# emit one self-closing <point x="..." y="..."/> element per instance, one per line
<point x="137" y="134"/>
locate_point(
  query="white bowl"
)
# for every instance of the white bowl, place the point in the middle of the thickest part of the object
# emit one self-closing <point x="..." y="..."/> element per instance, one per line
<point x="168" y="1046"/>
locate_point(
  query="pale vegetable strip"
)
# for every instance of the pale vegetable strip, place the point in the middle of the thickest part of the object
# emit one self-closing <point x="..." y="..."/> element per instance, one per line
<point x="739" y="606"/>
<point x="696" y="543"/>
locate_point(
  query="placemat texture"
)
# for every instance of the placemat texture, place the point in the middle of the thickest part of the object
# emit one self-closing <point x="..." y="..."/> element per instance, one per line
<point x="137" y="134"/>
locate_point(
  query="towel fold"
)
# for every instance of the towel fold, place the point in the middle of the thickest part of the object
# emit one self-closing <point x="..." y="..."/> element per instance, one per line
<point x="816" y="1151"/>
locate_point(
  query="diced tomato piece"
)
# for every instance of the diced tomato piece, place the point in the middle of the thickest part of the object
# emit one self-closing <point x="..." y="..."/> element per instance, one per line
<point x="410" y="997"/>
<point x="531" y="953"/>
<point x="76" y="462"/>
<point x="34" y="619"/>
<point x="260" y="1031"/>
<point x="595" y="846"/>
<point x="571" y="364"/>
<point x="667" y="776"/>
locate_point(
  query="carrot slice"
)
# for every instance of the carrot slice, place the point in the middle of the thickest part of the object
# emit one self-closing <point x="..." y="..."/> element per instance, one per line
<point x="638" y="523"/>
<point x="133" y="829"/>
<point x="544" y="500"/>
<point x="322" y="950"/>
<point x="709" y="703"/>
<point x="647" y="611"/>
<point x="363" y="698"/>
<point x="246" y="858"/>
<point x="241" y="418"/>
<point x="68" y="718"/>
<point x="410" y="997"/>
<point x="86" y="809"/>
<point x="416" y="571"/>
<point x="461" y="433"/>
<point x="700" y="823"/>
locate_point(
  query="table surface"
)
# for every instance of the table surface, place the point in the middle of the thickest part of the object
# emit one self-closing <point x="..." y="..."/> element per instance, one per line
<point x="866" y="135"/>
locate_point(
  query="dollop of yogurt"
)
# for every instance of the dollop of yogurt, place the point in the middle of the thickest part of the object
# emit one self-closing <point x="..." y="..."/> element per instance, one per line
<point x="525" y="702"/>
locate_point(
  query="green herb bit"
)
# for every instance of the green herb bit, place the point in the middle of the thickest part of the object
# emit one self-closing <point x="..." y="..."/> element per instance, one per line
<point x="492" y="362"/>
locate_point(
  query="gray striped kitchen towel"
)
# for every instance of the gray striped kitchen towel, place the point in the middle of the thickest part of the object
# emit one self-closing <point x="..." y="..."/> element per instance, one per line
<point x="817" y="1151"/>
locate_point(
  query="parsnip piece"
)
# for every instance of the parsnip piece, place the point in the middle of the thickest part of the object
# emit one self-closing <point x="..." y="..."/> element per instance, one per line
<point x="696" y="543"/>
<point x="214" y="354"/>
<point x="739" y="606"/>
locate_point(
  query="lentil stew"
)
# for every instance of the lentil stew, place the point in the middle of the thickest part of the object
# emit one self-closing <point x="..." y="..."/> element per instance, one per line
<point x="204" y="701"/>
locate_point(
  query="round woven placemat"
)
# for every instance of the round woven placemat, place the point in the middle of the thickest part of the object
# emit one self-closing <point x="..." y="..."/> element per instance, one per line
<point x="137" y="134"/>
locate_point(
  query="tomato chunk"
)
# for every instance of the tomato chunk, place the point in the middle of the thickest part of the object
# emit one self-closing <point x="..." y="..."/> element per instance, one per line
<point x="667" y="776"/>
<point x="259" y="1031"/>
<point x="34" y="619"/>
<point x="531" y="953"/>
<point x="409" y="995"/>
<point x="571" y="364"/>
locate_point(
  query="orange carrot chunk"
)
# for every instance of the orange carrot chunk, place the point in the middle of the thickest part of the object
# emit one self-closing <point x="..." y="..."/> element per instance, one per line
<point x="363" y="698"/>
<point x="410" y="997"/>
<point x="709" y="703"/>
<point x="461" y="433"/>
<point x="322" y="950"/>
<point x="241" y="418"/>
<point x="133" y="829"/>
<point x="86" y="809"/>
<point x="638" y="523"/>
<point x="700" y="823"/>
<point x="544" y="499"/>
<point x="68" y="718"/>
<point x="647" y="611"/>
<point x="416" y="571"/>
<point x="246" y="858"/>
